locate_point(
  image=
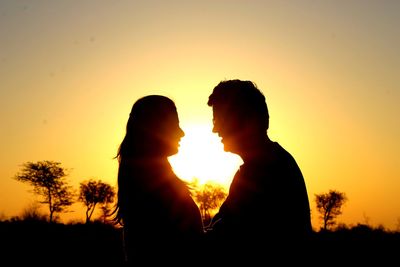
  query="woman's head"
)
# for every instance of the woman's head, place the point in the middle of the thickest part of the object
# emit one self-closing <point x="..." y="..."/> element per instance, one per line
<point x="152" y="133"/>
<point x="152" y="129"/>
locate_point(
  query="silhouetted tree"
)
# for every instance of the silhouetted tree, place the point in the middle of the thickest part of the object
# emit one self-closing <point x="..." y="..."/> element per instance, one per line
<point x="32" y="213"/>
<point x="92" y="193"/>
<point x="329" y="206"/>
<point x="209" y="197"/>
<point x="398" y="225"/>
<point x="48" y="181"/>
<point x="105" y="213"/>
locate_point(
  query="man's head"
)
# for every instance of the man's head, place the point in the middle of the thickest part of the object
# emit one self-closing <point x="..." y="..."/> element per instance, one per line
<point x="240" y="114"/>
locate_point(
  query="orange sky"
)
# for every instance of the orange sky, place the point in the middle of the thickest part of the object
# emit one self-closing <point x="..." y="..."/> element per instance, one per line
<point x="71" y="70"/>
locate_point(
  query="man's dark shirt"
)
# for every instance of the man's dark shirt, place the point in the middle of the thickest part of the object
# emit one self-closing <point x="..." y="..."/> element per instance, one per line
<point x="267" y="204"/>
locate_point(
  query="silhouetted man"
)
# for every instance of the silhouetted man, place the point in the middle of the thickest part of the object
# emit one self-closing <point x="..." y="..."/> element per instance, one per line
<point x="267" y="210"/>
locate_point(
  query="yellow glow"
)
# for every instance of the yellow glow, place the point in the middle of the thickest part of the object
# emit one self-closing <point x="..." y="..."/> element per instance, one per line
<point x="332" y="90"/>
<point x="201" y="155"/>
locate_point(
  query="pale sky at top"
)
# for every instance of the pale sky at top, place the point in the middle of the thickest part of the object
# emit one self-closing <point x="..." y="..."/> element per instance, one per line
<point x="330" y="70"/>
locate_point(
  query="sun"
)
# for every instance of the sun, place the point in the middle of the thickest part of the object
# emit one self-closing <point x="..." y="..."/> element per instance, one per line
<point x="201" y="156"/>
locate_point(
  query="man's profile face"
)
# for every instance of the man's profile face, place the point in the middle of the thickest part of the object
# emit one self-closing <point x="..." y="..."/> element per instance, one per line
<point x="227" y="126"/>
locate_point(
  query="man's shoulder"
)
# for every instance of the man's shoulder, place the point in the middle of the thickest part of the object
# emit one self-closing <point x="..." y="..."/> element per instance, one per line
<point x="283" y="159"/>
<point x="280" y="152"/>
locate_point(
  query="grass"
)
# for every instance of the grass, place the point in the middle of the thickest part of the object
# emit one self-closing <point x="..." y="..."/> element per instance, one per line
<point x="34" y="241"/>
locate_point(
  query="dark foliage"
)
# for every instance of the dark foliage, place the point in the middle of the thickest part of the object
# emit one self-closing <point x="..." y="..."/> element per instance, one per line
<point x="360" y="245"/>
<point x="39" y="243"/>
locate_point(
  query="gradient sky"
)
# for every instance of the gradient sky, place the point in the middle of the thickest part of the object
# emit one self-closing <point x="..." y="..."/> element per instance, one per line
<point x="330" y="70"/>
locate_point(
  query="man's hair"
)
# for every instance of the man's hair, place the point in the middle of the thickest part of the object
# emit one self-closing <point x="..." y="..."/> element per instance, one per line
<point x="242" y="99"/>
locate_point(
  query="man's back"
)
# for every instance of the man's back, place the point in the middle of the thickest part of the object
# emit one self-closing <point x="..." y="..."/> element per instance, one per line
<point x="267" y="202"/>
<point x="267" y="205"/>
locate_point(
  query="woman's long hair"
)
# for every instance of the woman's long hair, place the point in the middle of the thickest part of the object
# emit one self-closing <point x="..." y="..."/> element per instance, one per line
<point x="140" y="144"/>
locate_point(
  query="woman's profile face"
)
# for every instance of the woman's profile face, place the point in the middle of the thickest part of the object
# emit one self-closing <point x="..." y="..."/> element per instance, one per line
<point x="170" y="133"/>
<point x="154" y="127"/>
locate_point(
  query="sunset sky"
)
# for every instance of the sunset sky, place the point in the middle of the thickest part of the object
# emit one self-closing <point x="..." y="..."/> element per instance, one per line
<point x="330" y="71"/>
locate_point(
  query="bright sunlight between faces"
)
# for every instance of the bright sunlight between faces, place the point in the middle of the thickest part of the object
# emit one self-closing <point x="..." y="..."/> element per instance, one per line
<point x="201" y="156"/>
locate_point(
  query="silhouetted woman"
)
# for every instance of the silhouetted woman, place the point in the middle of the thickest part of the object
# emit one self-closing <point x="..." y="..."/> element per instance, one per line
<point x="160" y="219"/>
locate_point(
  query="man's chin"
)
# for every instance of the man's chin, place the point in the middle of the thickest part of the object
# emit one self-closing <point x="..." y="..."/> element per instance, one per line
<point x="227" y="148"/>
<point x="230" y="148"/>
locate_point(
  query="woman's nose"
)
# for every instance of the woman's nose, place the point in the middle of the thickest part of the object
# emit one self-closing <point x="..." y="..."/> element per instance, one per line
<point x="181" y="132"/>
